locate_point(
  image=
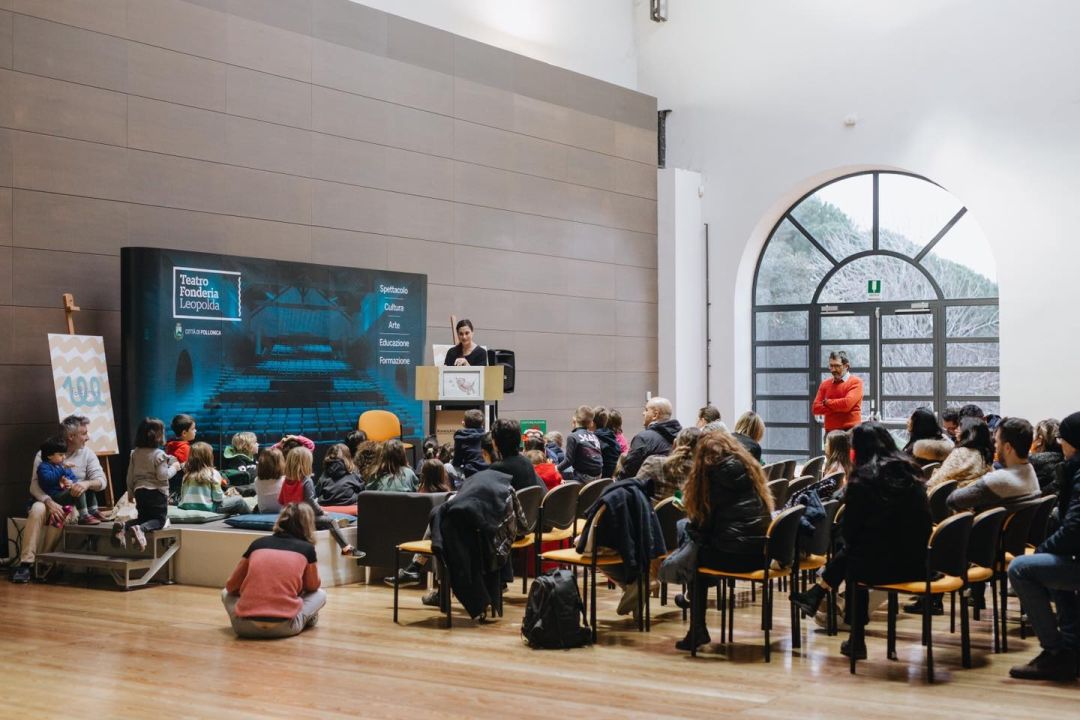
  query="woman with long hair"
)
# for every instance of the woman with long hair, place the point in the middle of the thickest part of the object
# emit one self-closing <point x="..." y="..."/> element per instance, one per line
<point x="885" y="525"/>
<point x="926" y="442"/>
<point x="274" y="591"/>
<point x="393" y="473"/>
<point x="838" y="454"/>
<point x="728" y="508"/>
<point x="972" y="457"/>
<point x="750" y="430"/>
<point x="1046" y="455"/>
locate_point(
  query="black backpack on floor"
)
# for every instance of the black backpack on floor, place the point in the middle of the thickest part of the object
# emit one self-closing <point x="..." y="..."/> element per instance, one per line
<point x="553" y="613"/>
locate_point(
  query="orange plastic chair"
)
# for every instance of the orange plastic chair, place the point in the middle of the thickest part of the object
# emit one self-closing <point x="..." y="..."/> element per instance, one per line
<point x="380" y="426"/>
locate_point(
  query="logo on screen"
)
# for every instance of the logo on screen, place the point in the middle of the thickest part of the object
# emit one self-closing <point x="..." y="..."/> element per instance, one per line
<point x="200" y="294"/>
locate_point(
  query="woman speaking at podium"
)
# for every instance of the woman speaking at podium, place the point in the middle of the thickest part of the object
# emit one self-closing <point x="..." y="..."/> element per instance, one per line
<point x="466" y="352"/>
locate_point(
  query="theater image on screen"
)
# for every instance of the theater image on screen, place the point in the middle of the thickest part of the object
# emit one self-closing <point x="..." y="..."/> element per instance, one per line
<point x="267" y="346"/>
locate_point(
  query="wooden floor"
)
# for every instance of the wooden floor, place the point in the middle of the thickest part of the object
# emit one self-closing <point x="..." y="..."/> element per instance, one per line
<point x="167" y="651"/>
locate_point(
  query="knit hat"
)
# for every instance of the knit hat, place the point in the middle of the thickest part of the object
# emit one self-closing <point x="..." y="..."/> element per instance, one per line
<point x="1069" y="430"/>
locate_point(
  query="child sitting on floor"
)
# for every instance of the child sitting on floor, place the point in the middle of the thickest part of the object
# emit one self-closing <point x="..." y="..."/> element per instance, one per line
<point x="394" y="473"/>
<point x="201" y="489"/>
<point x="148" y="474"/>
<point x="269" y="475"/>
<point x="55" y="480"/>
<point x="367" y="457"/>
<point x="299" y="487"/>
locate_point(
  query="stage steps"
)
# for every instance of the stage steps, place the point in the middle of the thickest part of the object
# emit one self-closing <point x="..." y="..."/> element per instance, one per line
<point x="92" y="547"/>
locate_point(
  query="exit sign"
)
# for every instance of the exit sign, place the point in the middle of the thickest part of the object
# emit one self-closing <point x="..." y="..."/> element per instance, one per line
<point x="873" y="289"/>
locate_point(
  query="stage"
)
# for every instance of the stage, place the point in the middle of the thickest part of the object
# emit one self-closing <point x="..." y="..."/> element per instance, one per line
<point x="209" y="552"/>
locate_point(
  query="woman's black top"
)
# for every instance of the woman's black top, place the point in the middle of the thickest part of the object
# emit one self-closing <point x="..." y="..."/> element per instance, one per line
<point x="478" y="356"/>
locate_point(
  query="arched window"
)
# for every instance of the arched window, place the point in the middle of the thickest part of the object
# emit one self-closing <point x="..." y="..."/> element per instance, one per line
<point x="889" y="267"/>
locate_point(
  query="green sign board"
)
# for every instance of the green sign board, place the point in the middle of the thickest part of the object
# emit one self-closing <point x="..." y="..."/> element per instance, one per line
<point x="873" y="289"/>
<point x="540" y="425"/>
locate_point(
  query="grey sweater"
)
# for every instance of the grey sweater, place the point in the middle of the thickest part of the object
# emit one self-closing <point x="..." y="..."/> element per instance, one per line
<point x="996" y="488"/>
<point x="149" y="469"/>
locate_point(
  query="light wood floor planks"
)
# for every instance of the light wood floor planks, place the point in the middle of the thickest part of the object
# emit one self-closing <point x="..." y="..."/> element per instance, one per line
<point x="168" y="652"/>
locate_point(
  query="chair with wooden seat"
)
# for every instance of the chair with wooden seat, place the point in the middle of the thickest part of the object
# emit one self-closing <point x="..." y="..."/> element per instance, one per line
<point x="1014" y="534"/>
<point x="589" y="561"/>
<point x="799" y="484"/>
<point x="939" y="510"/>
<point x="779" y="559"/>
<point x="669" y="514"/>
<point x="587" y="496"/>
<point x="556" y="518"/>
<point x="779" y="491"/>
<point x="929" y="468"/>
<point x="788" y="470"/>
<point x="814" y="466"/>
<point x="946" y="572"/>
<point x="982" y="551"/>
<point x="813" y="555"/>
<point x="530" y="498"/>
<point x="773" y="471"/>
<point x="383" y="425"/>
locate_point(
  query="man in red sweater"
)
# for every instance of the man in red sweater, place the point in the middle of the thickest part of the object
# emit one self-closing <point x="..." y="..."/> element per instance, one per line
<point x="839" y="398"/>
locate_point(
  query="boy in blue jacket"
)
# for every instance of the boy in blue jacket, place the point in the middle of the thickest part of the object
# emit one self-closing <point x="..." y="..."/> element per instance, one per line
<point x="55" y="479"/>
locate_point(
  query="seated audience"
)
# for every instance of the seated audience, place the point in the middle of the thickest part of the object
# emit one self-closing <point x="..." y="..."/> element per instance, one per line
<point x="926" y="443"/>
<point x="74" y="431"/>
<point x="972" y="411"/>
<point x="708" y="419"/>
<point x="201" y="489"/>
<point x="614" y="422"/>
<point x="972" y="457"/>
<point x="885" y="526"/>
<point x="57" y="480"/>
<point x="433" y="479"/>
<point x="394" y="473"/>
<point x="728" y="506"/>
<point x="467" y="457"/>
<point x="1013" y="483"/>
<point x="445" y="455"/>
<point x="584" y="460"/>
<point x="750" y="430"/>
<point x="274" y="590"/>
<point x="148" y="474"/>
<point x="506" y="434"/>
<point x="269" y="475"/>
<point x="950" y="423"/>
<point x="656" y="439"/>
<point x="183" y="427"/>
<point x="238" y="465"/>
<point x="1046" y="455"/>
<point x="338" y="484"/>
<point x="299" y="487"/>
<point x="544" y="468"/>
<point x="665" y="475"/>
<point x="1052" y="574"/>
<point x="288" y="442"/>
<point x="609" y="446"/>
<point x="367" y="458"/>
<point x="553" y="446"/>
<point x="353" y="440"/>
<point x="838" y="454"/>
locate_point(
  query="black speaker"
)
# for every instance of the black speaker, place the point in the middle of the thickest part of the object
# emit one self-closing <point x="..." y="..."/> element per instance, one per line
<point x="506" y="359"/>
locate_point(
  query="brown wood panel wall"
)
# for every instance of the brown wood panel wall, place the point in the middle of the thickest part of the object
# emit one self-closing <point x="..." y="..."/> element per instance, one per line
<point x="329" y="132"/>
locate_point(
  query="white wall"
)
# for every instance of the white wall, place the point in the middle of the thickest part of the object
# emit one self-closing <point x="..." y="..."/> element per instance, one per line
<point x="979" y="95"/>
<point x="592" y="37"/>
<point x="680" y="287"/>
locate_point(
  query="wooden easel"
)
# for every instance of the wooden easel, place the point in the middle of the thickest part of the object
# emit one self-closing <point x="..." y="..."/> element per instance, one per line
<point x="70" y="308"/>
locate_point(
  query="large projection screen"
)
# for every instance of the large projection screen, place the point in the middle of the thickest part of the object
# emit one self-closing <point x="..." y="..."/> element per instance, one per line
<point x="267" y="346"/>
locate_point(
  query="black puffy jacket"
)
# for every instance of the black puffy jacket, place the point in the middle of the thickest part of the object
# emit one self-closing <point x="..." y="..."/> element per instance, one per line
<point x="1046" y="469"/>
<point x="738" y="518"/>
<point x="653" y="440"/>
<point x="338" y="486"/>
<point x="609" y="451"/>
<point x="1066" y="539"/>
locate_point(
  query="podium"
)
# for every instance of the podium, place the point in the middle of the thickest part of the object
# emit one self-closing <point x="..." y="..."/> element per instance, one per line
<point x="451" y="390"/>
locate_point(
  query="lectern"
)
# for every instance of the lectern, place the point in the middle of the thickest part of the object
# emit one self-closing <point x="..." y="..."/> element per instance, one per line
<point x="451" y="390"/>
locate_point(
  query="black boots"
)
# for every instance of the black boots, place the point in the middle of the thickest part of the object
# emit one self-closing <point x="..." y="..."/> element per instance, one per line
<point x="809" y="601"/>
<point x="1059" y="665"/>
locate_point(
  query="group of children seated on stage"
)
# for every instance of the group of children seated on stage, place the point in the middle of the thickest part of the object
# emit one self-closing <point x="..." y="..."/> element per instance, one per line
<point x="181" y="471"/>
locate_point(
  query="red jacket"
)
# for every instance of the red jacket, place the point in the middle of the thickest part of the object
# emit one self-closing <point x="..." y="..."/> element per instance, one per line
<point x="549" y="474"/>
<point x="840" y="402"/>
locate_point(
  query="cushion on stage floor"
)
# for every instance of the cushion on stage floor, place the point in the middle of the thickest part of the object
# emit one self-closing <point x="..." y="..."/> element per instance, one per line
<point x="265" y="521"/>
<point x="192" y="517"/>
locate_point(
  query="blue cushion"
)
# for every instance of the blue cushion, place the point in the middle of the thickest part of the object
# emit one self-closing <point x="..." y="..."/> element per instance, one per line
<point x="265" y="521"/>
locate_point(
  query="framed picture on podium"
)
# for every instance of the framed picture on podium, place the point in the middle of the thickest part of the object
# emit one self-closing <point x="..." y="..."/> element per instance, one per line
<point x="461" y="383"/>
